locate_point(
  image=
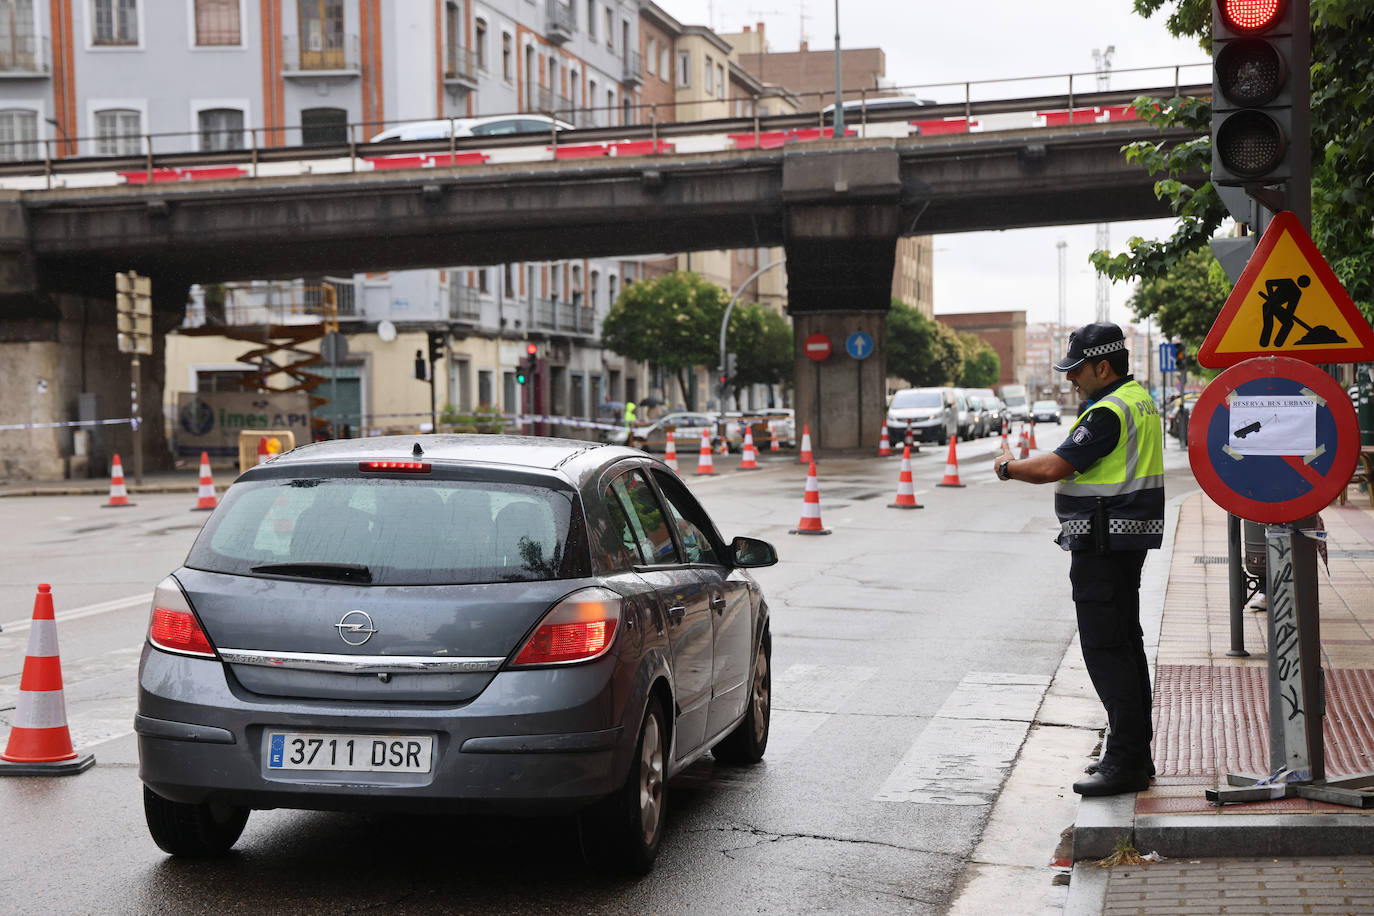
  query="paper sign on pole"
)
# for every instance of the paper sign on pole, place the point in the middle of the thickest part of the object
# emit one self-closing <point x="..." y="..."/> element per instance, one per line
<point x="1287" y="302"/>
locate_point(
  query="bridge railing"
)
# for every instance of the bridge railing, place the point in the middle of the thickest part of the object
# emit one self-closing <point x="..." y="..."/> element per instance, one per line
<point x="955" y="107"/>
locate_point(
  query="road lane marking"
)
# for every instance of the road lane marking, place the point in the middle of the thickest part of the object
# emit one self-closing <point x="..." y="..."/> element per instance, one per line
<point x="90" y="610"/>
<point x="805" y="696"/>
<point x="963" y="756"/>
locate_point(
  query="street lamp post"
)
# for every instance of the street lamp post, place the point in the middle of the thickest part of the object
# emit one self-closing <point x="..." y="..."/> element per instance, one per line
<point x="725" y="323"/>
<point x="839" y="88"/>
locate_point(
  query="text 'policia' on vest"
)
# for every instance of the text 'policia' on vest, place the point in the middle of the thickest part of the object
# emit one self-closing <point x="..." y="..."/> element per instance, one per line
<point x="1118" y="502"/>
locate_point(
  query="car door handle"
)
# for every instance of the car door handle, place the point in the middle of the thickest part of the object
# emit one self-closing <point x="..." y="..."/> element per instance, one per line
<point x="676" y="613"/>
<point x="718" y="602"/>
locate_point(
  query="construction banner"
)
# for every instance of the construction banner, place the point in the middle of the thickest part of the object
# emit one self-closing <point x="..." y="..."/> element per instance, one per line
<point x="211" y="421"/>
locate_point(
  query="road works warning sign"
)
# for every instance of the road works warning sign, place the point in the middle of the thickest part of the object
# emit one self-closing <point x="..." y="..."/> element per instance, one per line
<point x="1287" y="302"/>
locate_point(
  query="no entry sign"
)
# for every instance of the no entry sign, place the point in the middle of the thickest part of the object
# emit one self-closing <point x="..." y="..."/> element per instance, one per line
<point x="1273" y="440"/>
<point x="817" y="347"/>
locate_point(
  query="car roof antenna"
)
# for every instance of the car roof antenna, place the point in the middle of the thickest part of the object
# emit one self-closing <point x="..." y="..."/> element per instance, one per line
<point x="417" y="451"/>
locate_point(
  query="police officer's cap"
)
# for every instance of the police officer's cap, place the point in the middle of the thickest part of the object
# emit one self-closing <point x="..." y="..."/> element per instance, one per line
<point x="1092" y="341"/>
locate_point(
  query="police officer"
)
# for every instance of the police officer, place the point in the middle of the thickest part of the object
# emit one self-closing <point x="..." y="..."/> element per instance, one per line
<point x="1109" y="498"/>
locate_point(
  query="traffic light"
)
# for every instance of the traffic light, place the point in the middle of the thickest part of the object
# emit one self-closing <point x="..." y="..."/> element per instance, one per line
<point x="525" y="371"/>
<point x="133" y="313"/>
<point x="1260" y="57"/>
<point x="421" y="371"/>
<point x="436" y="346"/>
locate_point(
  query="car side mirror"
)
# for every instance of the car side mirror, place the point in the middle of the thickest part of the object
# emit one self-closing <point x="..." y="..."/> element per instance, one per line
<point x="752" y="552"/>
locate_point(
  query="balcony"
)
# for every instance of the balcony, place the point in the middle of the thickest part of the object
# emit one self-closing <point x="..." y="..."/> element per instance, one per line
<point x="632" y="70"/>
<point x="561" y="22"/>
<point x="562" y="317"/>
<point x="460" y="68"/>
<point x="543" y="99"/>
<point x="542" y="314"/>
<point x="328" y="55"/>
<point x="21" y="57"/>
<point x="565" y="109"/>
<point x="464" y="302"/>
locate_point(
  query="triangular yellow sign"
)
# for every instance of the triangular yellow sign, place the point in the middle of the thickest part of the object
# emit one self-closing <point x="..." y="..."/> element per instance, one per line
<point x="1287" y="302"/>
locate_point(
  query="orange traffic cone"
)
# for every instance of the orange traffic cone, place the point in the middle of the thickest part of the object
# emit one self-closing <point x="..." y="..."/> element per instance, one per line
<point x="1024" y="445"/>
<point x="907" y="440"/>
<point x="951" y="478"/>
<point x="670" y="452"/>
<point x="1032" y="435"/>
<point x="207" y="499"/>
<point x="750" y="460"/>
<point x="806" y="457"/>
<point x="704" y="463"/>
<point x="811" y="507"/>
<point x="906" y="490"/>
<point x="40" y="743"/>
<point x="884" y="446"/>
<point x="263" y="454"/>
<point x="1004" y="436"/>
<point x="774" y="446"/>
<point x="118" y="495"/>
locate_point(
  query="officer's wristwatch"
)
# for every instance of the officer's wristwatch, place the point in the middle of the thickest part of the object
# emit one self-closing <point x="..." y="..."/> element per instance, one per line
<point x="1004" y="470"/>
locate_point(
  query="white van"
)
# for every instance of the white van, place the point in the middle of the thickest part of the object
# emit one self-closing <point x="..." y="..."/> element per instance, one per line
<point x="496" y="126"/>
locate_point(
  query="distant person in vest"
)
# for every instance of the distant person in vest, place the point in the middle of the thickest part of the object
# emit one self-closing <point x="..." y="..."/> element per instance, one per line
<point x="1109" y="497"/>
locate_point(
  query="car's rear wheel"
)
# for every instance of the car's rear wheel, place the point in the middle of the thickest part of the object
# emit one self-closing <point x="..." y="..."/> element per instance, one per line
<point x="624" y="830"/>
<point x="749" y="739"/>
<point x="184" y="829"/>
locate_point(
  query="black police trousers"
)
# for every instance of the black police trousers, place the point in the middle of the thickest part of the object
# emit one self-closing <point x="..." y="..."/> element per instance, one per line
<point x="1106" y="594"/>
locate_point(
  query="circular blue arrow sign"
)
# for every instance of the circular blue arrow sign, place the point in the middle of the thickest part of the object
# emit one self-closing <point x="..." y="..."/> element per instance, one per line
<point x="859" y="345"/>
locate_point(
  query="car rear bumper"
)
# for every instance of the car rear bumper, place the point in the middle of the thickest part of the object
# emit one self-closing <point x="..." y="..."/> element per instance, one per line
<point x="537" y="741"/>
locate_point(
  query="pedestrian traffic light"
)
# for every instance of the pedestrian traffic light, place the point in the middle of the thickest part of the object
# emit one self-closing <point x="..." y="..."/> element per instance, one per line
<point x="436" y="345"/>
<point x="1260" y="58"/>
<point x="421" y="372"/>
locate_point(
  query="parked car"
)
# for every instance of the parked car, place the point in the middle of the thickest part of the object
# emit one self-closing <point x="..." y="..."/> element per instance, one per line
<point x="1045" y="411"/>
<point x="967" y="414"/>
<point x="686" y="427"/>
<point x="1171" y="410"/>
<point x="991" y="409"/>
<point x="496" y="126"/>
<point x="931" y="412"/>
<point x="451" y="623"/>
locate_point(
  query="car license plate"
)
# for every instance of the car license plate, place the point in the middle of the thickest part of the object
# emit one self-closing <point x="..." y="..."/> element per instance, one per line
<point x="349" y="753"/>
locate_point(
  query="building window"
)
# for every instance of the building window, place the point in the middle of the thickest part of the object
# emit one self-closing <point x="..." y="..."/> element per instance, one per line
<point x="663" y="72"/>
<point x="651" y="57"/>
<point x="453" y="37"/>
<point x="18" y="135"/>
<point x="479" y="42"/>
<point x="594" y="288"/>
<point x="610" y="107"/>
<point x="507" y="57"/>
<point x="508" y="282"/>
<point x="720" y="81"/>
<point x="577" y="284"/>
<point x="483" y="281"/>
<point x="710" y="75"/>
<point x="217" y="23"/>
<point x="610" y="29"/>
<point x="18" y="39"/>
<point x="117" y="132"/>
<point x="610" y="289"/>
<point x="626" y="110"/>
<point x="114" y="22"/>
<point x="530" y="77"/>
<point x="221" y="129"/>
<point x="684" y="68"/>
<point x="323" y="126"/>
<point x="591" y="18"/>
<point x="322" y="34"/>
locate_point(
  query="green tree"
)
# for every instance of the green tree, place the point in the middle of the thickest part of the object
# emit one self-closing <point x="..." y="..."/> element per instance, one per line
<point x="1185" y="301"/>
<point x="762" y="341"/>
<point x="980" y="367"/>
<point x="672" y="320"/>
<point x="1342" y="151"/>
<point x="920" y="350"/>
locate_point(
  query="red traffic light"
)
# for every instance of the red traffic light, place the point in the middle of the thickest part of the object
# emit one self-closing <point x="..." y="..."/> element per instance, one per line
<point x="1250" y="15"/>
<point x="532" y="349"/>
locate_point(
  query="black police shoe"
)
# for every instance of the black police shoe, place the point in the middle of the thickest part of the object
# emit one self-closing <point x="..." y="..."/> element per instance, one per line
<point x="1149" y="769"/>
<point x="1110" y="780"/>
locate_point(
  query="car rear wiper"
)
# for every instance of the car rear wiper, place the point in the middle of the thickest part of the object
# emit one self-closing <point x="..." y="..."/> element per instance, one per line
<point x="343" y="572"/>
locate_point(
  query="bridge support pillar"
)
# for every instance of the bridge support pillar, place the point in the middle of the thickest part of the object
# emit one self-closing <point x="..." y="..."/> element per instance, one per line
<point x="842" y="223"/>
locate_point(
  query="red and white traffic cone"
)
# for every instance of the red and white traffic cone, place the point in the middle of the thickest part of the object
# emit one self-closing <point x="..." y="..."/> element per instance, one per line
<point x="811" y="507"/>
<point x="909" y="439"/>
<point x="906" y="488"/>
<point x="206" y="498"/>
<point x="40" y="743"/>
<point x="119" y="496"/>
<point x="884" y="446"/>
<point x="1032" y="435"/>
<point x="1024" y="444"/>
<point x="773" y="446"/>
<point x="704" y="462"/>
<point x="670" y="453"/>
<point x="1004" y="435"/>
<point x="263" y="454"/>
<point x="951" y="478"/>
<point x="806" y="457"/>
<point x="750" y="460"/>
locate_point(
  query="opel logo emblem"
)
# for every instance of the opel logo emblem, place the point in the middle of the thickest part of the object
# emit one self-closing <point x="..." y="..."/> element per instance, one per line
<point x="355" y="628"/>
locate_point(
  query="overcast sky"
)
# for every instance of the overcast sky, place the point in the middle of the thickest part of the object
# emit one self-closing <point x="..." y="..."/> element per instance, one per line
<point x="928" y="43"/>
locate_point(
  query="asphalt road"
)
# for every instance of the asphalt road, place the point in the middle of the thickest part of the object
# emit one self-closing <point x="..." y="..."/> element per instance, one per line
<point x="910" y="652"/>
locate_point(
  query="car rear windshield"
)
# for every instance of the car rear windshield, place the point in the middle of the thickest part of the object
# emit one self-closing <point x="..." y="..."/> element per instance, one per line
<point x="905" y="399"/>
<point x="389" y="532"/>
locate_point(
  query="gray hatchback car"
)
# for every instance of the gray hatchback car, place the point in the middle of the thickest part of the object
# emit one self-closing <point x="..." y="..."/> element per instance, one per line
<point x="451" y="623"/>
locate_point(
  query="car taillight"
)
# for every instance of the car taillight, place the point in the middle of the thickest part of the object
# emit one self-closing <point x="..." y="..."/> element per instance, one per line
<point x="578" y="629"/>
<point x="172" y="627"/>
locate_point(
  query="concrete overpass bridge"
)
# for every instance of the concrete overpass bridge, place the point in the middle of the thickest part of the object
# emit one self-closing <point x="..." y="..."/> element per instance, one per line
<point x="836" y="206"/>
